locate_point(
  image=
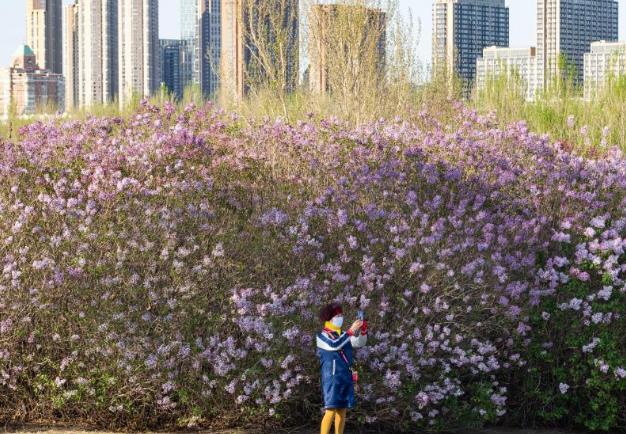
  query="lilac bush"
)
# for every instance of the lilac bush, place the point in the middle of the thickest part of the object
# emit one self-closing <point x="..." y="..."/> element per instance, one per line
<point x="166" y="269"/>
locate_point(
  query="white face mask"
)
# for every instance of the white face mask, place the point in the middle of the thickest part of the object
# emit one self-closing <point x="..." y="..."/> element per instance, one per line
<point x="337" y="321"/>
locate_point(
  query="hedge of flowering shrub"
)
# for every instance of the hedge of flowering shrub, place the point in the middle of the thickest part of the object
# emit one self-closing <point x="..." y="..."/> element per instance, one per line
<point x="167" y="269"/>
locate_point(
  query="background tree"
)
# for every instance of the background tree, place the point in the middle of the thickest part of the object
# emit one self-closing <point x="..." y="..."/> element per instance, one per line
<point x="361" y="53"/>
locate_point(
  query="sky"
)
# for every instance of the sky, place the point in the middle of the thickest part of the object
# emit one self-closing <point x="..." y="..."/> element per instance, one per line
<point x="522" y="24"/>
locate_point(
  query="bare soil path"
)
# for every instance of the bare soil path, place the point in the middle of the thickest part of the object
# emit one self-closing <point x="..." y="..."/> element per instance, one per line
<point x="69" y="430"/>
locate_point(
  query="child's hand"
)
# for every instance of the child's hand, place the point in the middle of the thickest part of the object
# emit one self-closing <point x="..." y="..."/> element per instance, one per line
<point x="356" y="325"/>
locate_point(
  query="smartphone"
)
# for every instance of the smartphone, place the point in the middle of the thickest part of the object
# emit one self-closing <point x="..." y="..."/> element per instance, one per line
<point x="360" y="315"/>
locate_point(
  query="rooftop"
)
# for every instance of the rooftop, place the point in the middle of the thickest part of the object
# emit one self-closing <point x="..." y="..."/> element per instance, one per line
<point x="23" y="50"/>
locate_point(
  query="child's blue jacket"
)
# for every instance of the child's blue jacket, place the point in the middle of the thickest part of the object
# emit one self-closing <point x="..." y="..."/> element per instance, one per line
<point x="335" y="353"/>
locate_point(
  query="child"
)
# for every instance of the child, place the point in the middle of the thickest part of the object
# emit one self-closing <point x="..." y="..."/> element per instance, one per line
<point x="334" y="349"/>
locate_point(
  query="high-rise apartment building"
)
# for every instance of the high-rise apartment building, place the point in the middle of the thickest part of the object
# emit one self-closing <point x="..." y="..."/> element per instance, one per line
<point x="139" y="50"/>
<point x="249" y="41"/>
<point x="345" y="39"/>
<point x="44" y="27"/>
<point x="171" y="65"/>
<point x="201" y="30"/>
<point x="189" y="34"/>
<point x="232" y="54"/>
<point x="517" y="65"/>
<point x="97" y="52"/>
<point x="605" y="61"/>
<point x="26" y="89"/>
<point x="462" y="29"/>
<point x="565" y="31"/>
<point x="70" y="55"/>
<point x="36" y="28"/>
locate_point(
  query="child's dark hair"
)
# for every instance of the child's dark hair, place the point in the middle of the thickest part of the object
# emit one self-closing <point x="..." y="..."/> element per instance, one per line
<point x="329" y="311"/>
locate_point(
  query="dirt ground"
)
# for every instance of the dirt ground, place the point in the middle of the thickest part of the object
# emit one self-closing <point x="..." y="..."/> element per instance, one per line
<point x="69" y="430"/>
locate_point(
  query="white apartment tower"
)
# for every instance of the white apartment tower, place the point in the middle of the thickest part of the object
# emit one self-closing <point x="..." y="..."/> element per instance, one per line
<point x="97" y="52"/>
<point x="139" y="49"/>
<point x="605" y="61"/>
<point x="518" y="65"/>
<point x="44" y="26"/>
<point x="36" y="29"/>
<point x="70" y="55"/>
<point x="565" y="31"/>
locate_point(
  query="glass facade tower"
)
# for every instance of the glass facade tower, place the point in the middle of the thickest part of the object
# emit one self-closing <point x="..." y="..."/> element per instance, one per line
<point x="171" y="56"/>
<point x="201" y="32"/>
<point x="462" y="29"/>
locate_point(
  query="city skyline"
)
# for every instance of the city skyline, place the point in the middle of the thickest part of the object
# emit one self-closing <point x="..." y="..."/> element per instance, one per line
<point x="522" y="29"/>
<point x="565" y="29"/>
<point x="13" y="24"/>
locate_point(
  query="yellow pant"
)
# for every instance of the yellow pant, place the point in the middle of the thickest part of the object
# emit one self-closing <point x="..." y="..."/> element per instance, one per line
<point x="338" y="415"/>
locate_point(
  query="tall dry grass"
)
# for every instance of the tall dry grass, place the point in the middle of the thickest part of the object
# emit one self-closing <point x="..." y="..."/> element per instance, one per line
<point x="590" y="126"/>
